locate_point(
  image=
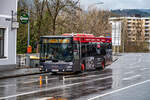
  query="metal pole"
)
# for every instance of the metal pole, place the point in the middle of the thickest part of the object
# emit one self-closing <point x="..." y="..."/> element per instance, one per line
<point x="29" y="27"/>
<point x="115" y="40"/>
<point x="28" y="56"/>
<point x="12" y="18"/>
<point x="123" y="33"/>
<point x="119" y="39"/>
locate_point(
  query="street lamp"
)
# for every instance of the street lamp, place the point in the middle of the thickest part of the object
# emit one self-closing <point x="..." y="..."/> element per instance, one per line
<point x="95" y="4"/>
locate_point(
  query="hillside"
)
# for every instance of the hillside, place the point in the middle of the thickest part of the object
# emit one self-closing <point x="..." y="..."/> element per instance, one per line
<point x="132" y="12"/>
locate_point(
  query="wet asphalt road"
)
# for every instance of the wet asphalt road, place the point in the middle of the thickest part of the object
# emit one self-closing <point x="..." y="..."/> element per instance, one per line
<point x="126" y="79"/>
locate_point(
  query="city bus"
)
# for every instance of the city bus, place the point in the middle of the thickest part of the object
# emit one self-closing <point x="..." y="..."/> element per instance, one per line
<point x="74" y="53"/>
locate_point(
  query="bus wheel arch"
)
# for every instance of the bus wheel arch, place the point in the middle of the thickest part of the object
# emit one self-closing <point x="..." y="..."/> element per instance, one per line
<point x="103" y="64"/>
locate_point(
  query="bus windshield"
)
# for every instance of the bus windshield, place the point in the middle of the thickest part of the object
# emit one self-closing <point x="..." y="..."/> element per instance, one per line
<point x="57" y="50"/>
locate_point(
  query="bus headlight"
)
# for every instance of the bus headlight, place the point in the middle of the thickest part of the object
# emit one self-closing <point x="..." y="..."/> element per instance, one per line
<point x="41" y="66"/>
<point x="71" y="63"/>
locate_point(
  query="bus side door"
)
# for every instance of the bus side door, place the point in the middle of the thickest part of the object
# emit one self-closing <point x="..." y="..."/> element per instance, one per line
<point x="76" y="53"/>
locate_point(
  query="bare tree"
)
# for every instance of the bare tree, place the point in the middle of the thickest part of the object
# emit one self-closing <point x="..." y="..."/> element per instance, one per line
<point x="97" y="22"/>
<point x="55" y="7"/>
<point x="39" y="12"/>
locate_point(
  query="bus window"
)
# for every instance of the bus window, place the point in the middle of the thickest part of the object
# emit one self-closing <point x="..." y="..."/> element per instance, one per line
<point x="93" y="50"/>
<point x="83" y="50"/>
<point x="76" y="51"/>
<point x="59" y="50"/>
<point x="103" y="51"/>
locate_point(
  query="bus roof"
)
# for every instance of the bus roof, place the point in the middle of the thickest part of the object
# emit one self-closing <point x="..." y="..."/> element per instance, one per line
<point x="83" y="38"/>
<point x="78" y="35"/>
<point x="60" y="36"/>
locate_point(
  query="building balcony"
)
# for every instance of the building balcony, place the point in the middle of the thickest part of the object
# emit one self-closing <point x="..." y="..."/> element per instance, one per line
<point x="129" y="21"/>
<point x="147" y="29"/>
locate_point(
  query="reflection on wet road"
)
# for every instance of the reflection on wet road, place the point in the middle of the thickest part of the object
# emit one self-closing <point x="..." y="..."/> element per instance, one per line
<point x="130" y="69"/>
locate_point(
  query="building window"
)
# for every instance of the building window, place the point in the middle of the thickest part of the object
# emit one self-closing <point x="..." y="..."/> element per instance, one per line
<point x="146" y="34"/>
<point x="147" y="19"/>
<point x="146" y="31"/>
<point x="1" y="42"/>
<point x="146" y="39"/>
<point x="129" y="27"/>
<point x="129" y="34"/>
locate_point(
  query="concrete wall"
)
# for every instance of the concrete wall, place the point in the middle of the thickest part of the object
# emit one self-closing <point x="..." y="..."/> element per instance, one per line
<point x="6" y="6"/>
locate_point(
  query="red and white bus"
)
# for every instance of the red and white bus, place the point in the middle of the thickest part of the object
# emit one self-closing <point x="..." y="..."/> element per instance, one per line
<point x="74" y="53"/>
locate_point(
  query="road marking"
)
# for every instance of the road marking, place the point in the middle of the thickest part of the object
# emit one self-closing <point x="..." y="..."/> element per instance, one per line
<point x="57" y="87"/>
<point x="83" y="77"/>
<point x="132" y="77"/>
<point x="115" y="91"/>
<point x="82" y="74"/>
<point x="131" y="72"/>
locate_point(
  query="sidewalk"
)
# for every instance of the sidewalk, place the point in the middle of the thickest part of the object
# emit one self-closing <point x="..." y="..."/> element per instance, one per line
<point x="19" y="72"/>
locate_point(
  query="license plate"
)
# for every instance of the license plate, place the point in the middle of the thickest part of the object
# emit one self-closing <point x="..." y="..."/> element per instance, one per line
<point x="54" y="70"/>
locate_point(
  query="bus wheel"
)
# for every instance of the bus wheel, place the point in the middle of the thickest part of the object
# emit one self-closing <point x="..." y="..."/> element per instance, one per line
<point x="82" y="68"/>
<point x="103" y="64"/>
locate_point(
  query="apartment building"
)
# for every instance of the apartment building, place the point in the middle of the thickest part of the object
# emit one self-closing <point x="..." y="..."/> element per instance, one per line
<point x="136" y="28"/>
<point x="8" y="33"/>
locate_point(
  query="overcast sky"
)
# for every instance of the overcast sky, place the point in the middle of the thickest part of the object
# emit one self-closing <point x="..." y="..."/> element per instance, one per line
<point x="118" y="4"/>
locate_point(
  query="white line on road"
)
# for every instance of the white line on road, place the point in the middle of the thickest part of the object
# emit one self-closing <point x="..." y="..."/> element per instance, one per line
<point x="83" y="77"/>
<point x="131" y="72"/>
<point x="74" y="78"/>
<point x="57" y="87"/>
<point x="130" y="78"/>
<point x="115" y="91"/>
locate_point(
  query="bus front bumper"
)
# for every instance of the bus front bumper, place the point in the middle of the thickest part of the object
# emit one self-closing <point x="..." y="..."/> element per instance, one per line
<point x="57" y="68"/>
